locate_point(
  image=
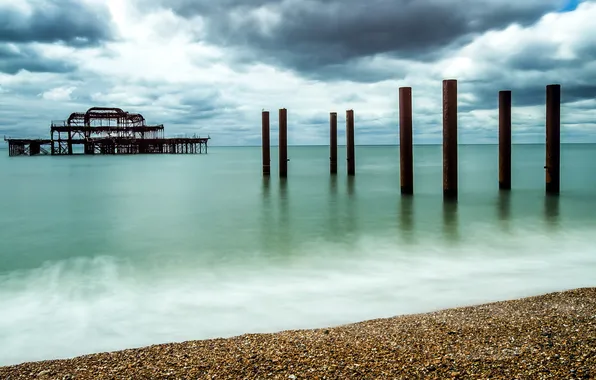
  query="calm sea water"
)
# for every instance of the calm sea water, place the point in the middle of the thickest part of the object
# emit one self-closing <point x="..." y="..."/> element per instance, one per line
<point x="104" y="253"/>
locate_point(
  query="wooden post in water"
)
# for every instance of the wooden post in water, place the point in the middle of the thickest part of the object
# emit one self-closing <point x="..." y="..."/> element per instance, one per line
<point x="505" y="140"/>
<point x="333" y="142"/>
<point x="450" y="139"/>
<point x="283" y="143"/>
<point x="553" y="138"/>
<point x="266" y="143"/>
<point x="405" y="141"/>
<point x="351" y="156"/>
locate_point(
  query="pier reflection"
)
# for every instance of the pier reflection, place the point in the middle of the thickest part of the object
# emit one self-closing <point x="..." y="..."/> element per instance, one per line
<point x="283" y="201"/>
<point x="266" y="190"/>
<point x="284" y="217"/>
<point x="333" y="207"/>
<point x="504" y="209"/>
<point x="351" y="186"/>
<point x="266" y="221"/>
<point x="333" y="185"/>
<point x="551" y="211"/>
<point x="352" y="210"/>
<point x="406" y="218"/>
<point x="450" y="220"/>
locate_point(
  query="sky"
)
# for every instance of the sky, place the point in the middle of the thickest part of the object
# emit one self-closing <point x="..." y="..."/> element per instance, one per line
<point x="210" y="67"/>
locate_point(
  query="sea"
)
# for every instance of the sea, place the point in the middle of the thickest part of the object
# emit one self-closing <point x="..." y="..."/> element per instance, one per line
<point x="101" y="253"/>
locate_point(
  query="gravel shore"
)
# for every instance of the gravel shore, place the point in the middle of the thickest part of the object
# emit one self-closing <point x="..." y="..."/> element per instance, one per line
<point x="544" y="337"/>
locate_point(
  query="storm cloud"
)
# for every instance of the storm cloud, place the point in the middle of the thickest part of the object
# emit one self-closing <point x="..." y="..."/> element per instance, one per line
<point x="68" y="21"/>
<point x="14" y="58"/>
<point x="310" y="35"/>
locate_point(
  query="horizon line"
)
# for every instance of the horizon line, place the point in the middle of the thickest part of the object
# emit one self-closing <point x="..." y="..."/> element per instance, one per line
<point x="4" y="145"/>
<point x="420" y="144"/>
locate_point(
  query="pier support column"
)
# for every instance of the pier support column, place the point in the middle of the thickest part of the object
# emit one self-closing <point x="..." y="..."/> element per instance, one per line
<point x="266" y="143"/>
<point x="34" y="148"/>
<point x="450" y="139"/>
<point x="406" y="164"/>
<point x="553" y="138"/>
<point x="283" y="143"/>
<point x="333" y="143"/>
<point x="505" y="140"/>
<point x="351" y="156"/>
<point x="69" y="142"/>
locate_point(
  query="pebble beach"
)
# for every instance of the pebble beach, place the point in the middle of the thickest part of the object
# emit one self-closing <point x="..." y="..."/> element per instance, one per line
<point x="552" y="336"/>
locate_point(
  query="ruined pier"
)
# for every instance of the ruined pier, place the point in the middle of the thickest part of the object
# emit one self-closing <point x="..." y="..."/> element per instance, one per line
<point x="104" y="131"/>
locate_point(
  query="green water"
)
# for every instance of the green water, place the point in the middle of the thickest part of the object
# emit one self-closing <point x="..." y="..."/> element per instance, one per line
<point x="109" y="252"/>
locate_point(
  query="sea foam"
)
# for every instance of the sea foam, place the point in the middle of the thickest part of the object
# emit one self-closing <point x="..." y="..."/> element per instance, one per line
<point x="84" y="305"/>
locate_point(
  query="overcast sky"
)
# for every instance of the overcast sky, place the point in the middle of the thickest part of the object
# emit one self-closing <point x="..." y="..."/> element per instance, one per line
<point x="211" y="66"/>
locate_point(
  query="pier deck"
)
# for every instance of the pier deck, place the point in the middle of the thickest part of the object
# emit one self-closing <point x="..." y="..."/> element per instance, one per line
<point x="165" y="145"/>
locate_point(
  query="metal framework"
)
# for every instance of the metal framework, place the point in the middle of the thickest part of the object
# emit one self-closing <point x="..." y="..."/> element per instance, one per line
<point x="103" y="130"/>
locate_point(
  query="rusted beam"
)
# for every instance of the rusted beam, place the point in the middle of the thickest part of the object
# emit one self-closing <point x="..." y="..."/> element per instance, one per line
<point x="405" y="141"/>
<point x="266" y="143"/>
<point x="351" y="155"/>
<point x="450" y="139"/>
<point x="333" y="143"/>
<point x="553" y="138"/>
<point x="505" y="140"/>
<point x="283" y="143"/>
<point x="69" y="142"/>
<point x="34" y="148"/>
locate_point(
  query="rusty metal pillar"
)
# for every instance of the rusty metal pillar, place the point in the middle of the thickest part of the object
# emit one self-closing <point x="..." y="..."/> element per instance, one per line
<point x="333" y="143"/>
<point x="406" y="164"/>
<point x="351" y="156"/>
<point x="450" y="139"/>
<point x="34" y="148"/>
<point x="266" y="144"/>
<point x="283" y="143"/>
<point x="69" y="142"/>
<point x="553" y="138"/>
<point x="505" y="140"/>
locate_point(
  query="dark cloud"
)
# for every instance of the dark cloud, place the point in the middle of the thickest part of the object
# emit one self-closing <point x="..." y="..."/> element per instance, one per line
<point x="68" y="21"/>
<point x="542" y="56"/>
<point x="315" y="34"/>
<point x="14" y="59"/>
<point x="524" y="94"/>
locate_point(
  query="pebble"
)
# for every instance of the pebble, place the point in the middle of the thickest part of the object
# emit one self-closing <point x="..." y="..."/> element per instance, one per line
<point x="548" y="336"/>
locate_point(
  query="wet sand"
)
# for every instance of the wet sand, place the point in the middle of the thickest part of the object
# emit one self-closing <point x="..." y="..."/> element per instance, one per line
<point x="543" y="337"/>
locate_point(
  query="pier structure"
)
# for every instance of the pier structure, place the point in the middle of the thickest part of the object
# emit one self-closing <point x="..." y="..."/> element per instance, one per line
<point x="283" y="143"/>
<point x="266" y="143"/>
<point x="103" y="130"/>
<point x="28" y="147"/>
<point x="406" y="158"/>
<point x="350" y="151"/>
<point x="505" y="140"/>
<point x="333" y="142"/>
<point x="553" y="139"/>
<point x="450" y="140"/>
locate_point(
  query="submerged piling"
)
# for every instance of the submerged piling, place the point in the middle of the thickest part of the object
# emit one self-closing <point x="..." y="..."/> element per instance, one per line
<point x="350" y="142"/>
<point x="283" y="143"/>
<point x="505" y="140"/>
<point x="553" y="138"/>
<point x="450" y="139"/>
<point x="266" y="143"/>
<point x="405" y="141"/>
<point x="333" y="143"/>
